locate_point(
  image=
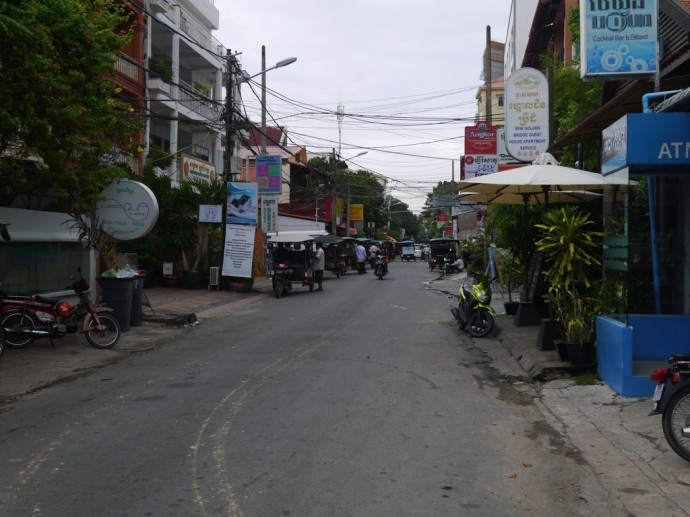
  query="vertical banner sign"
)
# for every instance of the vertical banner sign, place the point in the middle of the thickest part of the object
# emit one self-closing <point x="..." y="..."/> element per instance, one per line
<point x="527" y="114"/>
<point x="619" y="39"/>
<point x="481" y="150"/>
<point x="269" y="213"/>
<point x="269" y="174"/>
<point x="242" y="202"/>
<point x="356" y="212"/>
<point x="239" y="250"/>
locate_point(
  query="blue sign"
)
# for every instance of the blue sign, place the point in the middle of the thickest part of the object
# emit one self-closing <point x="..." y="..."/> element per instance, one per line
<point x="269" y="174"/>
<point x="242" y="203"/>
<point x="619" y="38"/>
<point x="646" y="140"/>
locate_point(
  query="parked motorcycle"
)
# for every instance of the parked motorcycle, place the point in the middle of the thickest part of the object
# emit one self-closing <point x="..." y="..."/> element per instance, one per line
<point x="474" y="309"/>
<point x="380" y="266"/>
<point x="672" y="401"/>
<point x="25" y="318"/>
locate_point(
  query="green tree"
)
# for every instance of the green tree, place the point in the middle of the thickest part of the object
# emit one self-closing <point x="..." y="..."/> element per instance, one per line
<point x="60" y="112"/>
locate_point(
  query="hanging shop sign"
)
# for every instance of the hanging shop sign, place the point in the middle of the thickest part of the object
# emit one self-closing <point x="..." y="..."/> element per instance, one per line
<point x="128" y="210"/>
<point x="269" y="174"/>
<point x="527" y="114"/>
<point x="658" y="142"/>
<point x="480" y="164"/>
<point x="194" y="169"/>
<point x="619" y="39"/>
<point x="210" y="213"/>
<point x="356" y="212"/>
<point x="242" y="202"/>
<point x="269" y="213"/>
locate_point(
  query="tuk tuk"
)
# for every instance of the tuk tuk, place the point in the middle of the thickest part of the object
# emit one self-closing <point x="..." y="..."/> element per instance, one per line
<point x="346" y="249"/>
<point x="407" y="251"/>
<point x="291" y="262"/>
<point x="336" y="261"/>
<point x="441" y="251"/>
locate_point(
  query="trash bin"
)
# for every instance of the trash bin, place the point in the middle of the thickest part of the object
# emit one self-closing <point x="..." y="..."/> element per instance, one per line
<point x="117" y="294"/>
<point x="137" y="295"/>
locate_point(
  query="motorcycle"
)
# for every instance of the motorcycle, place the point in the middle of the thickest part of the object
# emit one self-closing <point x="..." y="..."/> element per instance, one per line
<point x="474" y="309"/>
<point x="672" y="401"/>
<point x="281" y="279"/>
<point x="25" y="318"/>
<point x="380" y="266"/>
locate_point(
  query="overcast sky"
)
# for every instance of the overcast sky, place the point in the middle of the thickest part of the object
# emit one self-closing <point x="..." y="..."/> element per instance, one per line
<point x="405" y="71"/>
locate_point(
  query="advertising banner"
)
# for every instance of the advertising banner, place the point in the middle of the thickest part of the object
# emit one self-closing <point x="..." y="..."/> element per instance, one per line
<point x="619" y="39"/>
<point x="128" y="210"/>
<point x="239" y="250"/>
<point x="210" y="213"/>
<point x="269" y="213"/>
<point x="480" y="164"/>
<point x="356" y="212"/>
<point x="527" y="114"/>
<point x="197" y="170"/>
<point x="241" y="203"/>
<point x="481" y="139"/>
<point x="269" y="174"/>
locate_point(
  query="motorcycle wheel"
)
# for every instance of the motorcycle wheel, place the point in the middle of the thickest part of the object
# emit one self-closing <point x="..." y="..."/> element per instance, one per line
<point x="278" y="287"/>
<point x="674" y="419"/>
<point x="17" y="320"/>
<point x="2" y="340"/>
<point x="379" y="273"/>
<point x="106" y="338"/>
<point x="480" y="323"/>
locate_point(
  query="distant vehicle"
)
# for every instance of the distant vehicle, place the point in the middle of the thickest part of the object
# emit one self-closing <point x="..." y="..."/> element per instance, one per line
<point x="418" y="251"/>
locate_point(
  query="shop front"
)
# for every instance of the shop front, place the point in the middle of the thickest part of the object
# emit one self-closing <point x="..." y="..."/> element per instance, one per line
<point x="646" y="165"/>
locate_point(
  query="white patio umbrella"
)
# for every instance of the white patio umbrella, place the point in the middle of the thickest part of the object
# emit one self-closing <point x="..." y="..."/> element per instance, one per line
<point x="536" y="198"/>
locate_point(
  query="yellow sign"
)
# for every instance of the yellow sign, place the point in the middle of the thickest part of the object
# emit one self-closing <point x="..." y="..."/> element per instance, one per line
<point x="356" y="212"/>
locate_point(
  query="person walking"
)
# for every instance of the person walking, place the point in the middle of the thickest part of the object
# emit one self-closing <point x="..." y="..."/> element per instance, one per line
<point x="361" y="256"/>
<point x="319" y="264"/>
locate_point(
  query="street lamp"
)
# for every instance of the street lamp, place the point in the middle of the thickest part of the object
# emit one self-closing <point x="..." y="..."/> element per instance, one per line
<point x="230" y="101"/>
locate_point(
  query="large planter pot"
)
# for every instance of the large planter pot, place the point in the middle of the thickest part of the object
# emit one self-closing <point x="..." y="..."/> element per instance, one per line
<point x="511" y="308"/>
<point x="241" y="285"/>
<point x="562" y="349"/>
<point x="549" y="332"/>
<point x="172" y="281"/>
<point x="579" y="354"/>
<point x="194" y="280"/>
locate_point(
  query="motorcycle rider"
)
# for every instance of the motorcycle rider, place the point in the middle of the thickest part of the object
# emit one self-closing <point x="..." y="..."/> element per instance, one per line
<point x="373" y="249"/>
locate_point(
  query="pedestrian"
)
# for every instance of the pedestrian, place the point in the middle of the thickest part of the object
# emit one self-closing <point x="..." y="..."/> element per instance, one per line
<point x="373" y="250"/>
<point x="361" y="256"/>
<point x="319" y="264"/>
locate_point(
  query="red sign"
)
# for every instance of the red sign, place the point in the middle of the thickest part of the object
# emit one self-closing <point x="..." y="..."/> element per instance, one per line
<point x="441" y="218"/>
<point x="481" y="139"/>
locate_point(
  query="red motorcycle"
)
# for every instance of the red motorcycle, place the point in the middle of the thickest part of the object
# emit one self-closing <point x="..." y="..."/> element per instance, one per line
<point x="25" y="318"/>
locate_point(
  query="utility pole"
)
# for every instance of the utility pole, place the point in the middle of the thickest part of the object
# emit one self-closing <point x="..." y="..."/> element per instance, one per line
<point x="229" y="116"/>
<point x="263" y="100"/>
<point x="488" y="75"/>
<point x="334" y="226"/>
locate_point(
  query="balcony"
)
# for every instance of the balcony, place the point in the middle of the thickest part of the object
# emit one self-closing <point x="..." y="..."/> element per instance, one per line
<point x="127" y="67"/>
<point x="158" y="85"/>
<point x="197" y="102"/>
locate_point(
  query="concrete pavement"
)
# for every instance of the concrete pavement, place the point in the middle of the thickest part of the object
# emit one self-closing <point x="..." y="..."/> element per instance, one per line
<point x="634" y="470"/>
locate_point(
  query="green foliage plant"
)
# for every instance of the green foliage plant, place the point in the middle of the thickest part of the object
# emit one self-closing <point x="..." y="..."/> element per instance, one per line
<point x="59" y="105"/>
<point x="572" y="252"/>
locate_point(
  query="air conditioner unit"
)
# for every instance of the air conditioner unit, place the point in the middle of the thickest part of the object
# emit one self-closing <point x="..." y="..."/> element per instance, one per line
<point x="214" y="277"/>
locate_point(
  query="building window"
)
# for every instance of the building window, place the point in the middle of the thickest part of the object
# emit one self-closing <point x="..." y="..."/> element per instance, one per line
<point x="499" y="99"/>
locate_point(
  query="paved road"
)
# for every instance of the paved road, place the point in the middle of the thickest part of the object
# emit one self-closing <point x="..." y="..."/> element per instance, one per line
<point x="360" y="400"/>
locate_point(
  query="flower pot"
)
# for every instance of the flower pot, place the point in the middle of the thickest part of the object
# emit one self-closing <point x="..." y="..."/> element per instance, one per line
<point x="172" y="281"/>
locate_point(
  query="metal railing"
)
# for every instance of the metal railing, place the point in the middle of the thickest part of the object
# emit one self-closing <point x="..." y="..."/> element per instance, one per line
<point x="127" y="67"/>
<point x="198" y="103"/>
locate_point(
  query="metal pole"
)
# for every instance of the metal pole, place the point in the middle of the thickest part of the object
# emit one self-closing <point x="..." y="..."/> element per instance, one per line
<point x="263" y="99"/>
<point x="229" y="116"/>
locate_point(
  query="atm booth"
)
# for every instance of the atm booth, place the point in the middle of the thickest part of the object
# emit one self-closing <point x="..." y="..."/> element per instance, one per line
<point x="646" y="165"/>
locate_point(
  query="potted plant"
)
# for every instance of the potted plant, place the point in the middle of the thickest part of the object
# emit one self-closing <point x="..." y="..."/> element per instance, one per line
<point x="572" y="254"/>
<point x="510" y="274"/>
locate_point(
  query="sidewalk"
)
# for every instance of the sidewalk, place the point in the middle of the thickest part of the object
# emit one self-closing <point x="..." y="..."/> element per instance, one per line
<point x="167" y="312"/>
